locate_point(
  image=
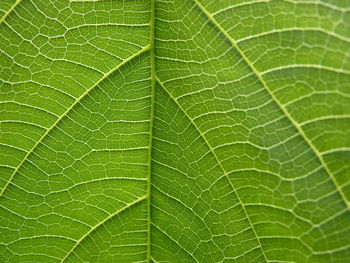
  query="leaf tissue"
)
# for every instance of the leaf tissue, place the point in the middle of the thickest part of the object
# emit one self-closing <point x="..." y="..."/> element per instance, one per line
<point x="175" y="131"/>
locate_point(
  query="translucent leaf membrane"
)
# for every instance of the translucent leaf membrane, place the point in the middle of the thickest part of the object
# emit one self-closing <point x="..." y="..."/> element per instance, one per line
<point x="175" y="131"/>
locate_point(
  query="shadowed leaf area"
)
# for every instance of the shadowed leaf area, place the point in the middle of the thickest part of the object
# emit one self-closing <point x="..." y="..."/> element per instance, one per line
<point x="175" y="131"/>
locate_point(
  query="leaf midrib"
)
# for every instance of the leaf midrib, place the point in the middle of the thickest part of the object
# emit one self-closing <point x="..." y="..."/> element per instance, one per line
<point x="149" y="175"/>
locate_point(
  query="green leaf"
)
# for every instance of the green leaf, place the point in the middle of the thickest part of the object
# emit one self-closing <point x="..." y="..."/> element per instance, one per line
<point x="175" y="131"/>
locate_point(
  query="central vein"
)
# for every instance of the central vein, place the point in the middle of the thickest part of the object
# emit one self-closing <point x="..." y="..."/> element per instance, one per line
<point x="153" y="84"/>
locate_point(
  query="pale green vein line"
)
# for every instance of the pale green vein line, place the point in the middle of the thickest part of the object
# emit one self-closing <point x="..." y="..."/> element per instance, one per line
<point x="295" y="29"/>
<point x="176" y="242"/>
<point x="39" y="237"/>
<point x="319" y="3"/>
<point x="10" y="10"/>
<point x="282" y="108"/>
<point x="311" y="66"/>
<point x="155" y="261"/>
<point x="101" y="223"/>
<point x="335" y="150"/>
<point x="149" y="174"/>
<point x="77" y="101"/>
<point x="218" y="161"/>
<point x="325" y="118"/>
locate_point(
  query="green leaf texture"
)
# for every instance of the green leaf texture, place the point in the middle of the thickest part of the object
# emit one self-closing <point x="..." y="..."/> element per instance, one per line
<point x="175" y="131"/>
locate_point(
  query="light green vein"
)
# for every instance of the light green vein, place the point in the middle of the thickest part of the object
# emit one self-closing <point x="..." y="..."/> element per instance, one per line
<point x="77" y="101"/>
<point x="220" y="164"/>
<point x="101" y="223"/>
<point x="176" y="242"/>
<point x="155" y="261"/>
<point x="149" y="173"/>
<point x="10" y="10"/>
<point x="282" y="108"/>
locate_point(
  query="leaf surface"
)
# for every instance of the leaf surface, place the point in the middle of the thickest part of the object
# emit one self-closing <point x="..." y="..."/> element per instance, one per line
<point x="175" y="131"/>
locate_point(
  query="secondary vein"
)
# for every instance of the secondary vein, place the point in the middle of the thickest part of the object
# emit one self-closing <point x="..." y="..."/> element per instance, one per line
<point x="10" y="10"/>
<point x="76" y="102"/>
<point x="101" y="223"/>
<point x="282" y="108"/>
<point x="218" y="161"/>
